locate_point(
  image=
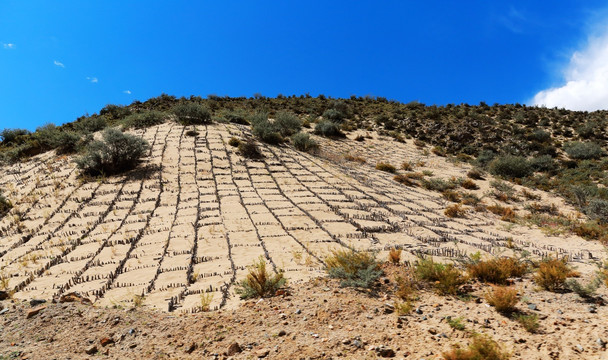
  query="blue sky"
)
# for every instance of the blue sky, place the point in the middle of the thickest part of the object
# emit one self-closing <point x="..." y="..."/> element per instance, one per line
<point x="62" y="59"/>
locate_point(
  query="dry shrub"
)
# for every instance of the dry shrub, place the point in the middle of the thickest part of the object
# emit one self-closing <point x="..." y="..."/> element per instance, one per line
<point x="451" y="195"/>
<point x="503" y="298"/>
<point x="394" y="255"/>
<point x="406" y="166"/>
<point x="552" y="274"/>
<point x="444" y="277"/>
<point x="530" y="195"/>
<point x="529" y="322"/>
<point x="358" y="159"/>
<point x="405" y="180"/>
<point x="498" y="270"/>
<point x="506" y="213"/>
<point x="482" y="348"/>
<point x="469" y="185"/>
<point x="259" y="282"/>
<point x="475" y="174"/>
<point x="234" y="141"/>
<point x="455" y="210"/>
<point x="386" y="167"/>
<point x="354" y="268"/>
<point x="250" y="150"/>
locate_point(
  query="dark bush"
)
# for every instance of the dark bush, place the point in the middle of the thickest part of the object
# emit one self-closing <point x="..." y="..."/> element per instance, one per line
<point x="303" y="142"/>
<point x="287" y="123"/>
<point x="267" y="132"/>
<point x="328" y="129"/>
<point x="145" y="119"/>
<point x="597" y="209"/>
<point x="333" y="115"/>
<point x="583" y="150"/>
<point x="13" y="136"/>
<point x="5" y="205"/>
<point x="543" y="163"/>
<point x="115" y="111"/>
<point x="118" y="152"/>
<point x="485" y="157"/>
<point x="249" y="149"/>
<point x="192" y="114"/>
<point x="510" y="167"/>
<point x="90" y="124"/>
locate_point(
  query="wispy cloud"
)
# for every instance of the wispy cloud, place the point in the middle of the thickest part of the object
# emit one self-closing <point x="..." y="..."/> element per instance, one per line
<point x="585" y="79"/>
<point x="514" y="20"/>
<point x="8" y="46"/>
<point x="92" y="79"/>
<point x="57" y="63"/>
<point x="128" y="92"/>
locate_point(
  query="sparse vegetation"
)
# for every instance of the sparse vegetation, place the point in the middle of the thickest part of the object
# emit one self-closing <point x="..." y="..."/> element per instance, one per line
<point x="481" y="348"/>
<point x="353" y="268"/>
<point x="386" y="167"/>
<point x="503" y="298"/>
<point x="529" y="322"/>
<point x="456" y="323"/>
<point x="249" y="149"/>
<point x="497" y="270"/>
<point x="455" y="211"/>
<point x="5" y="205"/>
<point x="552" y="274"/>
<point x="259" y="282"/>
<point x="394" y="255"/>
<point x="192" y="114"/>
<point x="446" y="278"/>
<point x="304" y="142"/>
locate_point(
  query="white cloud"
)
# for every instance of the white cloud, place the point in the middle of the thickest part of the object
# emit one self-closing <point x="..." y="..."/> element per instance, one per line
<point x="58" y="64"/>
<point x="8" y="46"/>
<point x="92" y="79"/>
<point x="586" y="79"/>
<point x="128" y="92"/>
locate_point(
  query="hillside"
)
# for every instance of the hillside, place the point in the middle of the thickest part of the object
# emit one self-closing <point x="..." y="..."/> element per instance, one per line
<point x="182" y="228"/>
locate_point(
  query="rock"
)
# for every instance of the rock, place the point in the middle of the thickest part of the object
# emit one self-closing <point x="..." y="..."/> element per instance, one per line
<point x="35" y="302"/>
<point x="298" y="312"/>
<point x="433" y="331"/>
<point x="3" y="311"/>
<point x="4" y="295"/>
<point x="560" y="312"/>
<point x="600" y="342"/>
<point x="282" y="333"/>
<point x="190" y="348"/>
<point x="418" y="310"/>
<point x="385" y="352"/>
<point x="106" y="341"/>
<point x="389" y="309"/>
<point x="74" y="297"/>
<point x="33" y="312"/>
<point x="357" y="343"/>
<point x="579" y="348"/>
<point x="91" y="350"/>
<point x="592" y="309"/>
<point x="346" y="341"/>
<point x="283" y="316"/>
<point x="262" y="353"/>
<point x="532" y="306"/>
<point x="233" y="349"/>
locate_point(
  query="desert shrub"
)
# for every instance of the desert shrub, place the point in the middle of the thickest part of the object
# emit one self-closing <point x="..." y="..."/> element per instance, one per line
<point x="437" y="184"/>
<point x="469" y="185"/>
<point x="394" y="255"/>
<point x="540" y="135"/>
<point x="586" y="291"/>
<point x="475" y="174"/>
<point x="485" y="157"/>
<point x="267" y="132"/>
<point x="234" y="141"/>
<point x="552" y="274"/>
<point x="144" y="119"/>
<point x="503" y="298"/>
<point x="444" y="277"/>
<point x="506" y="213"/>
<point x="91" y="124"/>
<point x="583" y="150"/>
<point x="405" y="179"/>
<point x="451" y="195"/>
<point x="482" y="348"/>
<point x="352" y="158"/>
<point x="249" y="149"/>
<point x="386" y="167"/>
<point x="529" y="322"/>
<point x="287" y="123"/>
<point x="192" y="114"/>
<point x="117" y="152"/>
<point x="456" y="323"/>
<point x="497" y="270"/>
<point x="66" y="142"/>
<point x="543" y="163"/>
<point x="597" y="209"/>
<point x="304" y="142"/>
<point x="439" y="151"/>
<point x="333" y="115"/>
<point x="455" y="211"/>
<point x="406" y="166"/>
<point x="259" y="282"/>
<point x="237" y="116"/>
<point x="328" y="129"/>
<point x="5" y="205"/>
<point x="13" y="136"/>
<point x="354" y="268"/>
<point x="510" y="167"/>
<point x="115" y="111"/>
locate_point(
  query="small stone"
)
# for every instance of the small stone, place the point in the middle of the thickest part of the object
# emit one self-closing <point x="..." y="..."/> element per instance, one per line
<point x="298" y="312"/>
<point x="106" y="341"/>
<point x="33" y="312"/>
<point x="35" y="302"/>
<point x="4" y="295"/>
<point x="385" y="352"/>
<point x="3" y="311"/>
<point x="283" y="316"/>
<point x="346" y="341"/>
<point x="560" y="312"/>
<point x="190" y="348"/>
<point x="532" y="306"/>
<point x="579" y="348"/>
<point x="600" y="342"/>
<point x="282" y="333"/>
<point x="592" y="309"/>
<point x="418" y="310"/>
<point x="91" y="350"/>
<point x="262" y="353"/>
<point x="357" y="343"/>
<point x="433" y="331"/>
<point x="233" y="349"/>
<point x="389" y="309"/>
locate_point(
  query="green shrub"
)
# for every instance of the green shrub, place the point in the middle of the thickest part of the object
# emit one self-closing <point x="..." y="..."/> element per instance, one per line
<point x="267" y="132"/>
<point x="303" y="142"/>
<point x="145" y="119"/>
<point x="583" y="150"/>
<point x="456" y="323"/>
<point x="259" y="282"/>
<point x="543" y="163"/>
<point x="118" y="152"/>
<point x="66" y="142"/>
<point x="529" y="322"/>
<point x="510" y="167"/>
<point x="328" y="129"/>
<point x="89" y="125"/>
<point x="235" y="116"/>
<point x="333" y="115"/>
<point x="355" y="269"/>
<point x="192" y="114"/>
<point x="597" y="209"/>
<point x="484" y="158"/>
<point x="444" y="277"/>
<point x="287" y="123"/>
<point x="5" y="205"/>
<point x="13" y="136"/>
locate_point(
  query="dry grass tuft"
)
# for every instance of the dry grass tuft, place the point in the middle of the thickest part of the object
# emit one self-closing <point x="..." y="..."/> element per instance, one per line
<point x="455" y="210"/>
<point x="552" y="274"/>
<point x="482" y="348"/>
<point x="506" y="213"/>
<point x="394" y="256"/>
<point x="446" y="278"/>
<point x="497" y="270"/>
<point x="259" y="282"/>
<point x="386" y="167"/>
<point x="503" y="298"/>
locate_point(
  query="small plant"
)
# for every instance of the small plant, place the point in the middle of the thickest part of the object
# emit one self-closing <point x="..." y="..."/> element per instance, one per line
<point x="394" y="255"/>
<point x="497" y="270"/>
<point x="444" y="277"/>
<point x="439" y="151"/>
<point x="4" y="280"/>
<point x="406" y="166"/>
<point x="437" y="184"/>
<point x="259" y="282"/>
<point x="451" y="195"/>
<point x="482" y="348"/>
<point x="469" y="185"/>
<point x="352" y="158"/>
<point x="5" y="205"/>
<point x="405" y="179"/>
<point x="529" y="322"/>
<point x="503" y="298"/>
<point x="303" y="142"/>
<point x="386" y="167"/>
<point x="328" y="129"/>
<point x="455" y="211"/>
<point x="250" y="150"/>
<point x="138" y="300"/>
<point x="586" y="291"/>
<point x="552" y="274"/>
<point x="354" y="268"/>
<point x="456" y="323"/>
<point x="404" y="308"/>
<point x="506" y="213"/>
<point x="475" y="174"/>
<point x="206" y="299"/>
<point x="192" y="114"/>
<point x="234" y="142"/>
